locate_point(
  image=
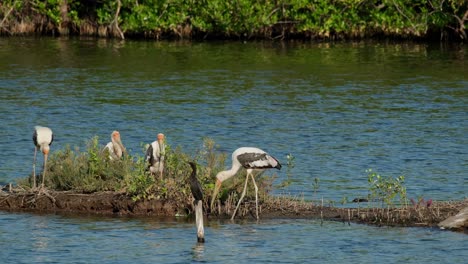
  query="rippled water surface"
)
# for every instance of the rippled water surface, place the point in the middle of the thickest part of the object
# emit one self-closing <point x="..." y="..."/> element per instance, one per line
<point x="339" y="109"/>
<point x="28" y="238"/>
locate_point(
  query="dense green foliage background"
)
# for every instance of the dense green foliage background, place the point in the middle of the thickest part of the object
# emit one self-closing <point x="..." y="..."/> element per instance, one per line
<point x="335" y="19"/>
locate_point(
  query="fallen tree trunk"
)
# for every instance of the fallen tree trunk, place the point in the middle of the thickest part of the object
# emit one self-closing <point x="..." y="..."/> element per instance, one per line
<point x="456" y="222"/>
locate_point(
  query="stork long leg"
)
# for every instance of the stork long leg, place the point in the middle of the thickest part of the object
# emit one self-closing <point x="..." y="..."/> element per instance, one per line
<point x="242" y="196"/>
<point x="34" y="167"/>
<point x="45" y="169"/>
<point x="161" y="170"/>
<point x="256" y="194"/>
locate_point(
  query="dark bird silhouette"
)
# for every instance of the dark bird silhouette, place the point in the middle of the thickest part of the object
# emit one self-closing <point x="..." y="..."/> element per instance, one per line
<point x="252" y="159"/>
<point x="197" y="193"/>
<point x="195" y="186"/>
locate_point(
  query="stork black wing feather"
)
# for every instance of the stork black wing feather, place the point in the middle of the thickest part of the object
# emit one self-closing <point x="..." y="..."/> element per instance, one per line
<point x="254" y="160"/>
<point x="35" y="137"/>
<point x="247" y="159"/>
<point x="149" y="155"/>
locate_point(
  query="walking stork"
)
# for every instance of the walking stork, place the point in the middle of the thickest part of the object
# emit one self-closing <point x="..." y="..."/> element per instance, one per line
<point x="42" y="138"/>
<point x="252" y="159"/>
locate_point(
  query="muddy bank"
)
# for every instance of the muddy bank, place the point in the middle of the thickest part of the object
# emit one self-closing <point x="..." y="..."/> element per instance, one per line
<point x="111" y="203"/>
<point x="104" y="203"/>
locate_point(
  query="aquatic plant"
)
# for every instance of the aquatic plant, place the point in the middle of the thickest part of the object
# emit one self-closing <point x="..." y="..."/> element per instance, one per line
<point x="290" y="164"/>
<point x="421" y="203"/>
<point x="386" y="189"/>
<point x="316" y="185"/>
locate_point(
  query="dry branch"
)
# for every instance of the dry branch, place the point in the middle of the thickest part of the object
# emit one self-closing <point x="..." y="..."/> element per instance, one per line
<point x="6" y="16"/>
<point x="115" y="23"/>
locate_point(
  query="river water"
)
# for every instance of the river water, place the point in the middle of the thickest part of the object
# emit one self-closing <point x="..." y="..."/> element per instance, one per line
<point x="339" y="109"/>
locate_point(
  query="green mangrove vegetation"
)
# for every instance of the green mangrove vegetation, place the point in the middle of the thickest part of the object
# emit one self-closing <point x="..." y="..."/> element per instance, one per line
<point x="92" y="171"/>
<point x="238" y="19"/>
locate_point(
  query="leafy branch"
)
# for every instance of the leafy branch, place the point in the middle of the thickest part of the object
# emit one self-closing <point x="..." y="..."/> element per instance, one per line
<point x="386" y="189"/>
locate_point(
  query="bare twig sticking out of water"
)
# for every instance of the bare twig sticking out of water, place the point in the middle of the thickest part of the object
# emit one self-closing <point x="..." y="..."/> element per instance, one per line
<point x="349" y="217"/>
<point x="115" y="22"/>
<point x="321" y="213"/>
<point x="199" y="221"/>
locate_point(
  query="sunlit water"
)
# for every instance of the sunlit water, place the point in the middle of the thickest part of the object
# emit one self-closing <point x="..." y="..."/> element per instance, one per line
<point x="339" y="109"/>
<point x="28" y="238"/>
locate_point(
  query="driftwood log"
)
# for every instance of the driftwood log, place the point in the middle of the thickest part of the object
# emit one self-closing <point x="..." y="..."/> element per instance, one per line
<point x="456" y="222"/>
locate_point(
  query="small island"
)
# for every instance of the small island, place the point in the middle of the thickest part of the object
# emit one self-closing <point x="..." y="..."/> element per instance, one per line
<point x="90" y="183"/>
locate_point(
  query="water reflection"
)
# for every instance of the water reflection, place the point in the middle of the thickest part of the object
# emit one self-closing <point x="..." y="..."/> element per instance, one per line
<point x="198" y="252"/>
<point x="38" y="235"/>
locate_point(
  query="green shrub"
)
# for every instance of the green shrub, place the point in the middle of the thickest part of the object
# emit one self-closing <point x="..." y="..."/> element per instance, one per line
<point x="92" y="171"/>
<point x="386" y="189"/>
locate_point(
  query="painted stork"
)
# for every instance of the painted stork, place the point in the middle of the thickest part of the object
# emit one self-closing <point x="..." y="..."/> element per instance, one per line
<point x="155" y="155"/>
<point x="197" y="193"/>
<point x="252" y="159"/>
<point x="115" y="147"/>
<point x="42" y="138"/>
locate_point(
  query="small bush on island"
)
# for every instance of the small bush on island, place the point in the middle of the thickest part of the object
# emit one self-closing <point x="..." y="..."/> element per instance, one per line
<point x="93" y="171"/>
<point x="386" y="189"/>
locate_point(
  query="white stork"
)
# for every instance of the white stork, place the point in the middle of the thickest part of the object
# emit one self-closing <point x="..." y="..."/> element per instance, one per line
<point x="155" y="154"/>
<point x="115" y="147"/>
<point x="252" y="159"/>
<point x="197" y="193"/>
<point x="42" y="138"/>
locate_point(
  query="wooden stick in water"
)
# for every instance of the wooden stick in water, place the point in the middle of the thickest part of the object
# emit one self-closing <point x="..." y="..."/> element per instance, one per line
<point x="199" y="221"/>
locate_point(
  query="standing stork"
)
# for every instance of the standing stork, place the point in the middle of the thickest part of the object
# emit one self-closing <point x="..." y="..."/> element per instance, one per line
<point x="42" y="138"/>
<point x="155" y="155"/>
<point x="252" y="159"/>
<point x="197" y="193"/>
<point x="115" y="147"/>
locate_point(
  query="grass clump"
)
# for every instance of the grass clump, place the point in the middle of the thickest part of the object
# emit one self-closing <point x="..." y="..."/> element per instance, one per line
<point x="88" y="171"/>
<point x="91" y="170"/>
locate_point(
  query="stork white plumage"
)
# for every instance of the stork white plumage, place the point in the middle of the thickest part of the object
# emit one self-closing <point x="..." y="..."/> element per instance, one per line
<point x="42" y="138"/>
<point x="115" y="147"/>
<point x="252" y="159"/>
<point x="155" y="154"/>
